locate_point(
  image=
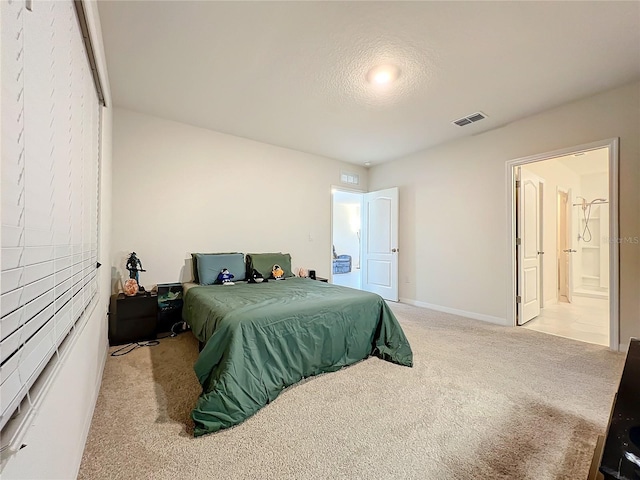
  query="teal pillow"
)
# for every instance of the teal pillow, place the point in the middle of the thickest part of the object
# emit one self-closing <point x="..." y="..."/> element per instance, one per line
<point x="264" y="262"/>
<point x="209" y="265"/>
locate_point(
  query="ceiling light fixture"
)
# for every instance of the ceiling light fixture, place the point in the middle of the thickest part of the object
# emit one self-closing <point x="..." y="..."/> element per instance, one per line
<point x="383" y="74"/>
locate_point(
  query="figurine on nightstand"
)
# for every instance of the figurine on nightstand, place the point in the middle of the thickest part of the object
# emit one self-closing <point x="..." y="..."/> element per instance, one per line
<point x="225" y="277"/>
<point x="134" y="265"/>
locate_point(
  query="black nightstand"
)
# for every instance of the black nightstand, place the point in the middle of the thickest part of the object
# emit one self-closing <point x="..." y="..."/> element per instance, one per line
<point x="132" y="319"/>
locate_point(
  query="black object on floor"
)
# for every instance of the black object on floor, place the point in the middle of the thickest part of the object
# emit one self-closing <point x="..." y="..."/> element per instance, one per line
<point x="621" y="452"/>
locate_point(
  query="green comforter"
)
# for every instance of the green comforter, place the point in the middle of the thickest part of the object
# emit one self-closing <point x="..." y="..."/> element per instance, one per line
<point x="261" y="338"/>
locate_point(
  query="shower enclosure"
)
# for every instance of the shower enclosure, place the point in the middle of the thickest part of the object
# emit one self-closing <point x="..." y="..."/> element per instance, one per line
<point x="591" y="268"/>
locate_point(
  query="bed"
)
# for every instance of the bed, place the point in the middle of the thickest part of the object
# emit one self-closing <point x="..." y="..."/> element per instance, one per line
<point x="261" y="338"/>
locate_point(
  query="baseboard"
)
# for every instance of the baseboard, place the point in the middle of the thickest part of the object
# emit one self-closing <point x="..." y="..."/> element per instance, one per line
<point x="623" y="347"/>
<point x="89" y="416"/>
<point x="455" y="311"/>
<point x="598" y="295"/>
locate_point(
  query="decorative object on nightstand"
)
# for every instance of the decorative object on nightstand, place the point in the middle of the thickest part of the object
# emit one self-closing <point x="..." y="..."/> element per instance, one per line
<point x="134" y="265"/>
<point x="312" y="276"/>
<point x="169" y="306"/>
<point x="132" y="319"/>
<point x="130" y="287"/>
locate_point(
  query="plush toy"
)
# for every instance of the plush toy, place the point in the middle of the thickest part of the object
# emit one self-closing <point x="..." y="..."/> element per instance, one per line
<point x="225" y="277"/>
<point x="277" y="272"/>
<point x="256" y="277"/>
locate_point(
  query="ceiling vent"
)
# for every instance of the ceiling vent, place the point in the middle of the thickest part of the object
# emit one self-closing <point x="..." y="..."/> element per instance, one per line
<point x="474" y="117"/>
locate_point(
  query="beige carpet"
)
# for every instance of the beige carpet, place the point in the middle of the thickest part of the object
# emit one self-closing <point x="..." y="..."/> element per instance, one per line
<point x="482" y="402"/>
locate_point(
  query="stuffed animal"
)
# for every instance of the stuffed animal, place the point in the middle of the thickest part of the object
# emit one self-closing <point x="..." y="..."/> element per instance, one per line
<point x="225" y="277"/>
<point x="277" y="272"/>
<point x="256" y="277"/>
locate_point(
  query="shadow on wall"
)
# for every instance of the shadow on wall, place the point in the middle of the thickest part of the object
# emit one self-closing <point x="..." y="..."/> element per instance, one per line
<point x="186" y="271"/>
<point x="116" y="280"/>
<point x="118" y="272"/>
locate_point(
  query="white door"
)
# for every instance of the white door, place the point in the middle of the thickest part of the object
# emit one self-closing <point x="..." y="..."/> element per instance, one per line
<point x="570" y="250"/>
<point x="528" y="229"/>
<point x="380" y="243"/>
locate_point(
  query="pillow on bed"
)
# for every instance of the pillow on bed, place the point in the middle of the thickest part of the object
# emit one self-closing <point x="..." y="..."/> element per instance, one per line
<point x="264" y="262"/>
<point x="208" y="266"/>
<point x="194" y="263"/>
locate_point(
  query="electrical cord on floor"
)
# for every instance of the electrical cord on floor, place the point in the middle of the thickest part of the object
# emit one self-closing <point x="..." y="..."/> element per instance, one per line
<point x="149" y="343"/>
<point x="133" y="346"/>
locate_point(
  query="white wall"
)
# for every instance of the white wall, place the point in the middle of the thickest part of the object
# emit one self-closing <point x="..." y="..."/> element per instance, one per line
<point x="555" y="175"/>
<point x="180" y="189"/>
<point x="55" y="441"/>
<point x="453" y="234"/>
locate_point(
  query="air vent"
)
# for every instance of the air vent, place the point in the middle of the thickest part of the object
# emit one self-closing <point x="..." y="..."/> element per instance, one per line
<point x="474" y="117"/>
<point x="462" y="122"/>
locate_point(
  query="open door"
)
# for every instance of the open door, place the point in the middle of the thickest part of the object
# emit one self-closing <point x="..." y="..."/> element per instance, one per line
<point x="380" y="243"/>
<point x="528" y="246"/>
<point x="565" y="249"/>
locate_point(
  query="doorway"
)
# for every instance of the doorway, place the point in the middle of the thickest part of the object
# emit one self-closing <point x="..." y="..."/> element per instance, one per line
<point x="346" y="242"/>
<point x="564" y="273"/>
<point x="364" y="235"/>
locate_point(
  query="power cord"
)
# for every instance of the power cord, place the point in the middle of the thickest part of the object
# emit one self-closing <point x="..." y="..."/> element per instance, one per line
<point x="133" y="346"/>
<point x="150" y="343"/>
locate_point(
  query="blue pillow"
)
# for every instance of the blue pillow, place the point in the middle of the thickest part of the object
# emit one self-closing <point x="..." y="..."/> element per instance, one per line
<point x="210" y="264"/>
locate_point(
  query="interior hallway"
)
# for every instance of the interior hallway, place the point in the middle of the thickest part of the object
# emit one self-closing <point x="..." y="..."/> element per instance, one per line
<point x="585" y="319"/>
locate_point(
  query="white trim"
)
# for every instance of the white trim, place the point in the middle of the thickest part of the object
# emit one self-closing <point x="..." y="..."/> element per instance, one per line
<point x="623" y="347"/>
<point x="614" y="221"/>
<point x="90" y="412"/>
<point x="455" y="311"/>
<point x="614" y="248"/>
<point x="591" y="295"/>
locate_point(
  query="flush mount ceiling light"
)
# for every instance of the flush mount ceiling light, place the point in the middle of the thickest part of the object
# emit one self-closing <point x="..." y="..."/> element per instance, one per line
<point x="383" y="74"/>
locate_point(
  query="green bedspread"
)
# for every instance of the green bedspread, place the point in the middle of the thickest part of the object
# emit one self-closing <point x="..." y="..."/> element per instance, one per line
<point x="261" y="338"/>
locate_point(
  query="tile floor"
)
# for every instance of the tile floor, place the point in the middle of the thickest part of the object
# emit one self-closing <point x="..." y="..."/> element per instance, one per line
<point x="351" y="279"/>
<point x="585" y="319"/>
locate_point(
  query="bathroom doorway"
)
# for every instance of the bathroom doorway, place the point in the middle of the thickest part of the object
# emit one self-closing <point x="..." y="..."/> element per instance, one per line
<point x="563" y="257"/>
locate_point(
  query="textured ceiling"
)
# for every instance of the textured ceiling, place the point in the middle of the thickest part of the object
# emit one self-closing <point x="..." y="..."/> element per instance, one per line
<point x="293" y="73"/>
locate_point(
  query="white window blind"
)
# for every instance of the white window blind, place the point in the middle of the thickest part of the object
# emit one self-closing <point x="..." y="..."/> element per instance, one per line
<point x="49" y="212"/>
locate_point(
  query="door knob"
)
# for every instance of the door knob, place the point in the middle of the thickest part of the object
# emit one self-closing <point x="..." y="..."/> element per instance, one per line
<point x="394" y="250"/>
<point x="540" y="253"/>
